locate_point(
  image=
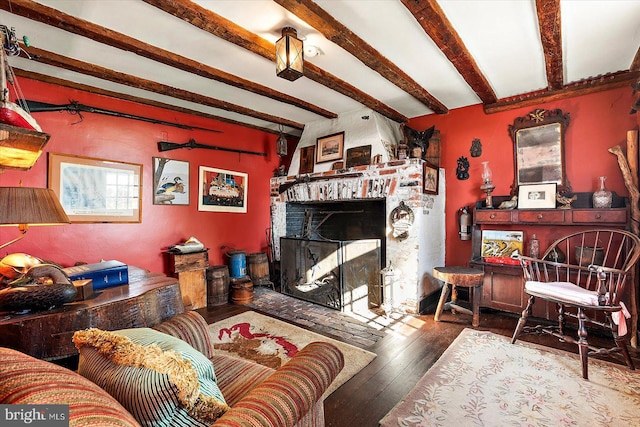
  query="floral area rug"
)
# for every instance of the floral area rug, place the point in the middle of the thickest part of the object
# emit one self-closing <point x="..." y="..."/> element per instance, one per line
<point x="484" y="380"/>
<point x="272" y="343"/>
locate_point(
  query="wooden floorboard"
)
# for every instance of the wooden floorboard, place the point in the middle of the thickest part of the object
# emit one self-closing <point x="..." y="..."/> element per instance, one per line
<point x="403" y="356"/>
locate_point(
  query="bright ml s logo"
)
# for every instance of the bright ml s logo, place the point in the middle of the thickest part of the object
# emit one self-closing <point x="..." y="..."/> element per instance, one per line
<point x="34" y="415"/>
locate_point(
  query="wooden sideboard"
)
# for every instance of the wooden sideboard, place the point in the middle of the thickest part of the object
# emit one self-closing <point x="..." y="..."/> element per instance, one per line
<point x="147" y="300"/>
<point x="503" y="287"/>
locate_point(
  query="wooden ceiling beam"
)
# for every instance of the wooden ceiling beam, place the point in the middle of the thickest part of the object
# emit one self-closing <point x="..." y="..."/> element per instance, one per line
<point x="435" y="23"/>
<point x="55" y="18"/>
<point x="221" y="27"/>
<point x="550" y="25"/>
<point x="99" y="72"/>
<point x="104" y="92"/>
<point x="339" y="34"/>
<point x="583" y="87"/>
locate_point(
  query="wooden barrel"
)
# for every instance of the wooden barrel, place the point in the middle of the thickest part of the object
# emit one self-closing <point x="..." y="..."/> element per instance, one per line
<point x="217" y="285"/>
<point x="258" y="268"/>
<point x="241" y="290"/>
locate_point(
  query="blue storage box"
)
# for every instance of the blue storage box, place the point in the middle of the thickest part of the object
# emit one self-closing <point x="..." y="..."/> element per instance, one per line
<point x="103" y="274"/>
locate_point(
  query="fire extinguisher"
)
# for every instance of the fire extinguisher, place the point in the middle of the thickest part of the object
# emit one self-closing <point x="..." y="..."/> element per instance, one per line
<point x="464" y="223"/>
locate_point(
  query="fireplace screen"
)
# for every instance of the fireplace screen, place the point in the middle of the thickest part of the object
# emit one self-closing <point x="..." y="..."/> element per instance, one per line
<point x="344" y="275"/>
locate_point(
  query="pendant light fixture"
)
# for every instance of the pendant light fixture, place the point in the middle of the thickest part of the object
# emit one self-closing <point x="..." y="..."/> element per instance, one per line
<point x="281" y="143"/>
<point x="289" y="55"/>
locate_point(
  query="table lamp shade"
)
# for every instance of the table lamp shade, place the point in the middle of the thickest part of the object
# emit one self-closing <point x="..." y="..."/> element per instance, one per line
<point x="30" y="206"/>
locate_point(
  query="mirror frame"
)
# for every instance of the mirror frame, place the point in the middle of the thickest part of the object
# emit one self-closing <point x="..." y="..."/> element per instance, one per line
<point x="537" y="129"/>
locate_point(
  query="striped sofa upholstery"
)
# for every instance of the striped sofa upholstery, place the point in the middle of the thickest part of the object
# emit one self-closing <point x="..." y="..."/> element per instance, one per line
<point x="292" y="397"/>
<point x="258" y="396"/>
<point x="27" y="380"/>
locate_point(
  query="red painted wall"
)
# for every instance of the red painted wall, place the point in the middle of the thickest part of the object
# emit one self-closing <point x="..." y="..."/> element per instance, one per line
<point x="135" y="141"/>
<point x="597" y="122"/>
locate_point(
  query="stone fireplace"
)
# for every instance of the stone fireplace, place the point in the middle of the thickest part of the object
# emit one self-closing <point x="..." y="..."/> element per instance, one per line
<point x="334" y="223"/>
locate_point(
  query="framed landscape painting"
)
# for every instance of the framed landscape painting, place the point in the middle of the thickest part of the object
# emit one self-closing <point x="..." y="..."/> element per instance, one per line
<point x="96" y="190"/>
<point x="330" y="147"/>
<point x="222" y="190"/>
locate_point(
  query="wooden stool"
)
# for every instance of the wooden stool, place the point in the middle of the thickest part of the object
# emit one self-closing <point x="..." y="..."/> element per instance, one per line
<point x="465" y="277"/>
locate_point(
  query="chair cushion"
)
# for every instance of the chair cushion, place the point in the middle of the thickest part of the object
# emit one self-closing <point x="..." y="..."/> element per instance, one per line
<point x="160" y="379"/>
<point x="563" y="291"/>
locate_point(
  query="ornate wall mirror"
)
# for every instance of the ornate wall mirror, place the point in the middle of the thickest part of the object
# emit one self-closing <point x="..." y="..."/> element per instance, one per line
<point x="538" y="149"/>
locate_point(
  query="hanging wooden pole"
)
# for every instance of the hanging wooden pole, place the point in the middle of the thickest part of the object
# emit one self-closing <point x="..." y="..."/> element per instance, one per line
<point x="632" y="158"/>
<point x="634" y="195"/>
<point x="632" y="154"/>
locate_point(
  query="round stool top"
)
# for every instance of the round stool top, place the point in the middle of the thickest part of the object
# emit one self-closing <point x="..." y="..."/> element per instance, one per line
<point x="459" y="276"/>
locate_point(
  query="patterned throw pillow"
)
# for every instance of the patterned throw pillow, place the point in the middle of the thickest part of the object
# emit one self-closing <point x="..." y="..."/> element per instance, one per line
<point x="159" y="379"/>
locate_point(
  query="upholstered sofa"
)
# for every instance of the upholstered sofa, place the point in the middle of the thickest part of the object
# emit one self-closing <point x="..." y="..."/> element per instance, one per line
<point x="256" y="395"/>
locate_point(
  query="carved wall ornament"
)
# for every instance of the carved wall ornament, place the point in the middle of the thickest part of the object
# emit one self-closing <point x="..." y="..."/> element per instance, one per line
<point x="537" y="115"/>
<point x="476" y="148"/>
<point x="401" y="219"/>
<point x="462" y="171"/>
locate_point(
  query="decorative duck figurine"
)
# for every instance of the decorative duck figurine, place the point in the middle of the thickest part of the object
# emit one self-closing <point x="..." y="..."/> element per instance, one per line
<point x="509" y="204"/>
<point x="565" y="201"/>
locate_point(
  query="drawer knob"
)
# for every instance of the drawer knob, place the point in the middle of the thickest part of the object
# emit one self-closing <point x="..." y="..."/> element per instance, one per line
<point x="492" y="216"/>
<point x="598" y="216"/>
<point x="540" y="216"/>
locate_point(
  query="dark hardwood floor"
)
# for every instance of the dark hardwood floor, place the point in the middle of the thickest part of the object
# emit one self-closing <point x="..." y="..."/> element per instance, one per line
<point x="411" y="346"/>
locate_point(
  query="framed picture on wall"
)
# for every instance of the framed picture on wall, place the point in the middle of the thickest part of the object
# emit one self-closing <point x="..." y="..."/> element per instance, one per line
<point x="96" y="190"/>
<point x="330" y="147"/>
<point x="170" y="181"/>
<point x="306" y="159"/>
<point x="430" y="177"/>
<point x="222" y="190"/>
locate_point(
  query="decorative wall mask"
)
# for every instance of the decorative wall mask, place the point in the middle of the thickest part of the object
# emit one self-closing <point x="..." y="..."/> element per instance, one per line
<point x="462" y="171"/>
<point x="401" y="219"/>
<point x="476" y="148"/>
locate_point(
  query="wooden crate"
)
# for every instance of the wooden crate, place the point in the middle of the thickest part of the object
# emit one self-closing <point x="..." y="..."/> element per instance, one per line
<point x="191" y="271"/>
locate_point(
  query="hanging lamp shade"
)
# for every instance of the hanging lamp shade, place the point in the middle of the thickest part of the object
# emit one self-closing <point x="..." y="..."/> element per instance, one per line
<point x="20" y="148"/>
<point x="289" y="55"/>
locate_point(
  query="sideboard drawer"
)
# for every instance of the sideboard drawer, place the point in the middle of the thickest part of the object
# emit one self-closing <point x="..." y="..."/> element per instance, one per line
<point x="492" y="216"/>
<point x="611" y="216"/>
<point x="551" y="216"/>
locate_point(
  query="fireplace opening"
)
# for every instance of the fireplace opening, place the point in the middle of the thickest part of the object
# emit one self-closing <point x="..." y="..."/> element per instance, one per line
<point x="333" y="252"/>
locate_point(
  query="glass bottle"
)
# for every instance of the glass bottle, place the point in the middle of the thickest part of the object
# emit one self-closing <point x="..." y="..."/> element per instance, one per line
<point x="602" y="197"/>
<point x="534" y="247"/>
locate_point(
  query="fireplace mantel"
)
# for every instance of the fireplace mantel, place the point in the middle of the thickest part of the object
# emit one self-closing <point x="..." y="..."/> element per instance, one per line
<point x="395" y="182"/>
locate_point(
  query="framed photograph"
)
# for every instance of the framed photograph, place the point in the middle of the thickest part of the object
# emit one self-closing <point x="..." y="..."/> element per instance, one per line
<point x="537" y="196"/>
<point x="306" y="159"/>
<point x="222" y="190"/>
<point x="96" y="190"/>
<point x="330" y="147"/>
<point x="170" y="181"/>
<point x="431" y="176"/>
